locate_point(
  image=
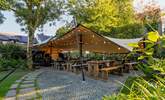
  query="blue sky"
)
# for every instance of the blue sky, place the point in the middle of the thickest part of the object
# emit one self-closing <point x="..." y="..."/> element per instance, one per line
<point x="11" y="26"/>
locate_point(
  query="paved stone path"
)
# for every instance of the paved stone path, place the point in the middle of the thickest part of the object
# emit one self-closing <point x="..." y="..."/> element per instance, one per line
<point x="62" y="85"/>
<point x="25" y="88"/>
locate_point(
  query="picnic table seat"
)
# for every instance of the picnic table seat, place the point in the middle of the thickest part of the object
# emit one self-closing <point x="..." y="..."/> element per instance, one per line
<point x="64" y="66"/>
<point x="105" y="71"/>
<point x="59" y="65"/>
<point x="77" y="67"/>
<point x="130" y="66"/>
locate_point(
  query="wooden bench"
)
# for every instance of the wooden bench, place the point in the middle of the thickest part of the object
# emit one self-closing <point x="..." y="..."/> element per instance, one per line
<point x="77" y="67"/>
<point x="129" y="66"/>
<point x="105" y="71"/>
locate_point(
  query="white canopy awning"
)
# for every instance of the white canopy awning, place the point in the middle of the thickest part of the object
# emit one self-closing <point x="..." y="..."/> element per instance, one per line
<point x="124" y="42"/>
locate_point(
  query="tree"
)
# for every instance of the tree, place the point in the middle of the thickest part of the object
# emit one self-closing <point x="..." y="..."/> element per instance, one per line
<point x="61" y="31"/>
<point x="3" y="6"/>
<point x="151" y="17"/>
<point x="102" y="15"/>
<point x="32" y="14"/>
<point x="1" y="18"/>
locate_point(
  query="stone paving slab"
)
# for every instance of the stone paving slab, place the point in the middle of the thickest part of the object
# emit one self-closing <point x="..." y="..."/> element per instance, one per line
<point x="27" y="97"/>
<point x="32" y="76"/>
<point x="11" y="93"/>
<point x="30" y="79"/>
<point x="28" y="82"/>
<point x="26" y="85"/>
<point x="10" y="98"/>
<point x="22" y="78"/>
<point x="18" y="81"/>
<point x="26" y="90"/>
<point x="14" y="86"/>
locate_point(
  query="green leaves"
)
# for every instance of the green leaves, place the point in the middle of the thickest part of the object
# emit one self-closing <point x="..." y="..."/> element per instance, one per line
<point x="141" y="57"/>
<point x="141" y="89"/>
<point x="150" y="43"/>
<point x="102" y="15"/>
<point x="4" y="5"/>
<point x="35" y="13"/>
<point x="153" y="36"/>
<point x="134" y="45"/>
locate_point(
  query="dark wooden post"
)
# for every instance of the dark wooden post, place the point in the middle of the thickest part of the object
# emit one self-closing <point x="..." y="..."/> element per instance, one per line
<point x="81" y="56"/>
<point x="51" y="55"/>
<point x="144" y="44"/>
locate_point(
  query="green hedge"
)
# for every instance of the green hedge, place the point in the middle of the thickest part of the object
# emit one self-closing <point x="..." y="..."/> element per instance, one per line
<point x="12" y="56"/>
<point x="7" y="64"/>
<point x="12" y="51"/>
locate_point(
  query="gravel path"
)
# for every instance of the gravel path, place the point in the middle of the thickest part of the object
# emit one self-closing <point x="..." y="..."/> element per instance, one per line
<point x="60" y="85"/>
<point x="25" y="88"/>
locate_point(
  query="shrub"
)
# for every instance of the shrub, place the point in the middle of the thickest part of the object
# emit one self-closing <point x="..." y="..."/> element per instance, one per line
<point x="153" y="87"/>
<point x="153" y="42"/>
<point x="12" y="51"/>
<point x="159" y="65"/>
<point x="12" y="56"/>
<point x="7" y="64"/>
<point x="142" y="89"/>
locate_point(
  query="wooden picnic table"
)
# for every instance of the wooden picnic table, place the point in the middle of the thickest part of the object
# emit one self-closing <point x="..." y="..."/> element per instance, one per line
<point x="129" y="65"/>
<point x="93" y="67"/>
<point x="59" y="64"/>
<point x="77" y="67"/>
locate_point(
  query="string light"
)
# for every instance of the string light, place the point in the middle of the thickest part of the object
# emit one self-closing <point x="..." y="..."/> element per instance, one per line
<point x="79" y="30"/>
<point x="119" y="48"/>
<point x="104" y="42"/>
<point x="87" y="52"/>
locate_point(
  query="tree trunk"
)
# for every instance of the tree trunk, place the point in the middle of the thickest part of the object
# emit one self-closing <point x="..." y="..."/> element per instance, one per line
<point x="160" y="27"/>
<point x="29" y="49"/>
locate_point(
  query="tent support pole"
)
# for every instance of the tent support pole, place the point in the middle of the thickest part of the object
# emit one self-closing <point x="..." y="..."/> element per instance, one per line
<point x="51" y="55"/>
<point x="81" y="56"/>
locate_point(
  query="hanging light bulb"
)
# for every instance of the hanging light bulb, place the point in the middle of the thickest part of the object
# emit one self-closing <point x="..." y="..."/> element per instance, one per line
<point x="87" y="52"/>
<point x="79" y="30"/>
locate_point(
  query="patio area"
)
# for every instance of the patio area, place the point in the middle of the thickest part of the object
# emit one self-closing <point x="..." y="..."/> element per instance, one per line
<point x="62" y="85"/>
<point x="59" y="53"/>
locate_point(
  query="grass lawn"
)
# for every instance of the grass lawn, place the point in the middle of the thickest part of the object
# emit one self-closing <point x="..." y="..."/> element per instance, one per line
<point x="128" y="84"/>
<point x="4" y="73"/>
<point x="5" y="85"/>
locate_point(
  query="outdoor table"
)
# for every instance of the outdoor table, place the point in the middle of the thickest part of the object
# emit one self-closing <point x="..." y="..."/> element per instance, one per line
<point x="76" y="66"/>
<point x="93" y="67"/>
<point x="55" y="65"/>
<point x="59" y="64"/>
<point x="68" y="66"/>
<point x="129" y="66"/>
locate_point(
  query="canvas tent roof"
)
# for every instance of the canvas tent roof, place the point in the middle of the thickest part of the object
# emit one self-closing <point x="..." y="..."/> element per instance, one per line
<point x="91" y="41"/>
<point x="124" y="42"/>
